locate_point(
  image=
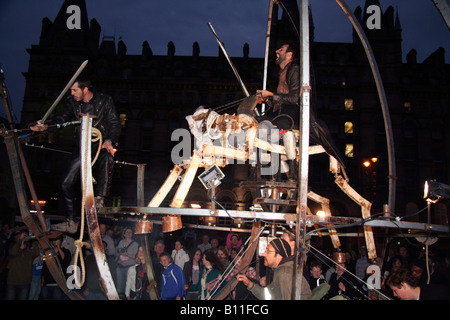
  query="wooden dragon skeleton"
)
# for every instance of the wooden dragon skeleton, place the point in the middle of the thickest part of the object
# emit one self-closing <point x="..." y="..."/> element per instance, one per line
<point x="221" y="139"/>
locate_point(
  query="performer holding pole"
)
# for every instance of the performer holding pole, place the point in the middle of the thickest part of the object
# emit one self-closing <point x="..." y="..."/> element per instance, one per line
<point x="85" y="99"/>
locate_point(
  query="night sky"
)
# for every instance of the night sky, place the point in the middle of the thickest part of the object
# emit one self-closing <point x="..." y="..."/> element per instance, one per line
<point x="185" y="22"/>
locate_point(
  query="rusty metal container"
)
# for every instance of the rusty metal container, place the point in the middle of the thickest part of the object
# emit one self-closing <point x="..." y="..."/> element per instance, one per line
<point x="339" y="257"/>
<point x="171" y="223"/>
<point x="143" y="226"/>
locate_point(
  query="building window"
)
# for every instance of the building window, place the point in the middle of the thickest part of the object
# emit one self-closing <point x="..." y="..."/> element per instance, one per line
<point x="407" y="106"/>
<point x="349" y="150"/>
<point x="348" y="104"/>
<point x="123" y="119"/>
<point x="348" y="127"/>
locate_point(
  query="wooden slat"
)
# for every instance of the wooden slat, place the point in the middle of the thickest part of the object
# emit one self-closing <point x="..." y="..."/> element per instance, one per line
<point x="186" y="183"/>
<point x="365" y="211"/>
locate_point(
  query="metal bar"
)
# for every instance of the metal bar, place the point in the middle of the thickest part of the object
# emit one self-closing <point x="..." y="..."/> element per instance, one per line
<point x="272" y="216"/>
<point x="382" y="96"/>
<point x="444" y="10"/>
<point x="67" y="87"/>
<point x="266" y="54"/>
<point x="91" y="211"/>
<point x="229" y="61"/>
<point x="302" y="209"/>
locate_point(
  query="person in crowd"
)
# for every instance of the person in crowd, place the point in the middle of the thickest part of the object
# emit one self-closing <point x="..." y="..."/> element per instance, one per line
<point x="343" y="284"/>
<point x="111" y="251"/>
<point x="430" y="275"/>
<point x="21" y="257"/>
<point x="210" y="277"/>
<point x="127" y="250"/>
<point x="278" y="256"/>
<point x="36" y="274"/>
<point x="49" y="288"/>
<point x="179" y="255"/>
<point x="233" y="241"/>
<point x="173" y="280"/>
<point x="222" y="255"/>
<point x="316" y="277"/>
<point x="205" y="245"/>
<point x="362" y="263"/>
<point x="214" y="243"/>
<point x="405" y="256"/>
<point x="130" y="285"/>
<point x="406" y="287"/>
<point x="191" y="272"/>
<point x="142" y="284"/>
<point x="189" y="238"/>
<point x="158" y="269"/>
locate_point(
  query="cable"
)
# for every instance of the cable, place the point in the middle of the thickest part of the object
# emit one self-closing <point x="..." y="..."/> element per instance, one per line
<point x="346" y="270"/>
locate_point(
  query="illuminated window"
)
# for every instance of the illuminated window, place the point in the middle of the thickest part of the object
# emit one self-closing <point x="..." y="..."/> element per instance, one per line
<point x="407" y="106"/>
<point x="348" y="127"/>
<point x="123" y="119"/>
<point x="349" y="150"/>
<point x="348" y="104"/>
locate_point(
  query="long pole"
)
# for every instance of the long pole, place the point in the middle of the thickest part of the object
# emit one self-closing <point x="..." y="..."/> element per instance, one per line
<point x="238" y="77"/>
<point x="266" y="54"/>
<point x="444" y="10"/>
<point x="63" y="92"/>
<point x="304" y="151"/>
<point x="382" y="96"/>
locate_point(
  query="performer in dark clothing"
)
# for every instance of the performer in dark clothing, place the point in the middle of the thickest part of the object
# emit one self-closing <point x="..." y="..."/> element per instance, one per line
<point x="406" y="287"/>
<point x="285" y="101"/>
<point x="85" y="99"/>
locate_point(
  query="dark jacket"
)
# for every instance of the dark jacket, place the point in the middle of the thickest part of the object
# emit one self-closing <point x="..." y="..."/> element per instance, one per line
<point x="20" y="263"/>
<point x="281" y="286"/>
<point x="102" y="107"/>
<point x="293" y="82"/>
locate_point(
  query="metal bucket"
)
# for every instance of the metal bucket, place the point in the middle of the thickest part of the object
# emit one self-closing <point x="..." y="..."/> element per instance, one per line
<point x="339" y="257"/>
<point x="143" y="226"/>
<point x="171" y="223"/>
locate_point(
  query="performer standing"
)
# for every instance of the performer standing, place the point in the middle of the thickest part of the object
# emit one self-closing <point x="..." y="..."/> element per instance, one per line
<point x="85" y="99"/>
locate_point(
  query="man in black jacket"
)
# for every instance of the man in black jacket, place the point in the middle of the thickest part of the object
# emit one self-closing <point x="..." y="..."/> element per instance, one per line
<point x="285" y="101"/>
<point x="85" y="99"/>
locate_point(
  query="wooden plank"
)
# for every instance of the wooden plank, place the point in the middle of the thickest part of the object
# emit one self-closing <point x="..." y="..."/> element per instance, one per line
<point x="186" y="183"/>
<point x="159" y="197"/>
<point x="223" y="152"/>
<point x="325" y="204"/>
<point x="365" y="211"/>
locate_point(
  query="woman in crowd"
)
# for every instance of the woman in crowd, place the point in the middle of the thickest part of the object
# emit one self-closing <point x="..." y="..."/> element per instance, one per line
<point x="192" y="271"/>
<point x="210" y="277"/>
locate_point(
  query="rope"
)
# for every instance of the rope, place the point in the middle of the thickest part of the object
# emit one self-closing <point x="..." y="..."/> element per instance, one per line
<point x="97" y="136"/>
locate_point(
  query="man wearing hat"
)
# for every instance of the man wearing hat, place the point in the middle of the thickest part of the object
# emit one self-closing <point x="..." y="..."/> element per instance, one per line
<point x="278" y="256"/>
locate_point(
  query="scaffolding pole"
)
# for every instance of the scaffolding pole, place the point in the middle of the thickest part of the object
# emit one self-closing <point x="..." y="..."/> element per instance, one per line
<point x="302" y="209"/>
